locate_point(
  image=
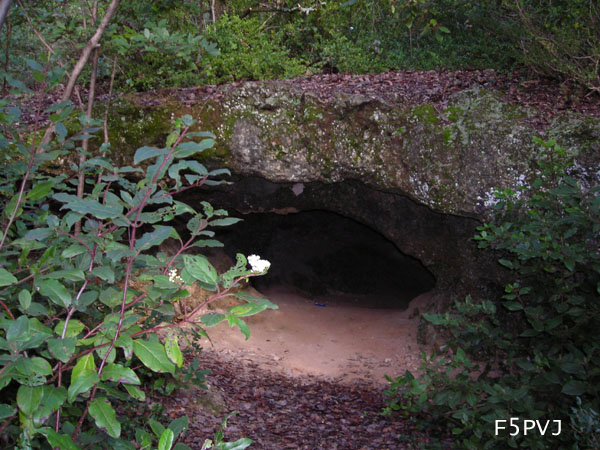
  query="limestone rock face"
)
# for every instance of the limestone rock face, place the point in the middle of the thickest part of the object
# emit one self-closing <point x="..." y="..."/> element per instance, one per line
<point x="422" y="175"/>
<point x="449" y="159"/>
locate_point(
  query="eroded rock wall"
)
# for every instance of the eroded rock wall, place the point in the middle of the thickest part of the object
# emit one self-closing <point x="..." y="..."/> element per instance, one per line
<point x="423" y="175"/>
<point x="448" y="158"/>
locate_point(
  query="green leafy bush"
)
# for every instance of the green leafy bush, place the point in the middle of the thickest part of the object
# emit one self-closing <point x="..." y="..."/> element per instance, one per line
<point x="247" y="53"/>
<point x="88" y="315"/>
<point x="535" y="352"/>
<point x="146" y="65"/>
<point x="560" y="39"/>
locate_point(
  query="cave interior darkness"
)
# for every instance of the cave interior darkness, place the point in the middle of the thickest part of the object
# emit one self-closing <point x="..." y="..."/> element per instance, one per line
<point x="328" y="258"/>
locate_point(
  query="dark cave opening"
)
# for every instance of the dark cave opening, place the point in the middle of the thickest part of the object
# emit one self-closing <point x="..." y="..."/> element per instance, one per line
<point x="328" y="257"/>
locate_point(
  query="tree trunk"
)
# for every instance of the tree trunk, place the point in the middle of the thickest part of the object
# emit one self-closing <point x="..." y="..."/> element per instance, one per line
<point x="4" y="8"/>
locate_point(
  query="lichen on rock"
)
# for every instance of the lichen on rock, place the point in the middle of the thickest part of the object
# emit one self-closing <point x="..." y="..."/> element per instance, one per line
<point x="449" y="158"/>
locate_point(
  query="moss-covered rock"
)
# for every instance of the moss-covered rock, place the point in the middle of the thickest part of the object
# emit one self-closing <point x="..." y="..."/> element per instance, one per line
<point x="449" y="158"/>
<point x="308" y="154"/>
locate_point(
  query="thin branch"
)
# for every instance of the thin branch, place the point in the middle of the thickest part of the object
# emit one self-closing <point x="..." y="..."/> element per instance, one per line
<point x="93" y="43"/>
<point x="49" y="48"/>
<point x="7" y="310"/>
<point x="110" y="89"/>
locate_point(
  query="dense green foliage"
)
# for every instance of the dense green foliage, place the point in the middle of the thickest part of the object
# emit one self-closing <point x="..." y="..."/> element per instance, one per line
<point x="176" y="43"/>
<point x="92" y="316"/>
<point x="91" y="310"/>
<point x="535" y="354"/>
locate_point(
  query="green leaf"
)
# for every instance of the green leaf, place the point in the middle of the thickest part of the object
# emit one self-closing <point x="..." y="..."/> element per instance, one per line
<point x="153" y="238"/>
<point x="111" y="297"/>
<point x="166" y="440"/>
<point x="71" y="275"/>
<point x="226" y="221"/>
<point x="52" y="399"/>
<point x="156" y="427"/>
<point x="80" y="384"/>
<point x="61" y="441"/>
<point x="436" y="319"/>
<point x="526" y="365"/>
<point x="7" y="411"/>
<point x="143" y="439"/>
<point x="61" y="131"/>
<point x="144" y="153"/>
<point x="105" y="416"/>
<point x="62" y="349"/>
<point x="38" y="234"/>
<point x="506" y="263"/>
<point x="181" y="446"/>
<point x="201" y="269"/>
<point x="33" y="64"/>
<point x="84" y="364"/>
<point x="179" y="425"/>
<point x="212" y="319"/>
<point x="16" y="83"/>
<point x="126" y="343"/>
<point x="243" y="328"/>
<point x="240" y="444"/>
<point x="574" y="387"/>
<point x="172" y="137"/>
<point x="94" y="208"/>
<point x="40" y="365"/>
<point x="74" y="327"/>
<point x="40" y="190"/>
<point x="173" y="352"/>
<point x="73" y="250"/>
<point x="513" y="306"/>
<point x="24" y="299"/>
<point x="186" y="149"/>
<point x="153" y="356"/>
<point x="105" y="273"/>
<point x="119" y="374"/>
<point x="17" y="329"/>
<point x="571" y="367"/>
<point x="135" y="392"/>
<point x="248" y="309"/>
<point x="28" y="399"/>
<point x="255" y="300"/>
<point x="6" y="278"/>
<point x="56" y="292"/>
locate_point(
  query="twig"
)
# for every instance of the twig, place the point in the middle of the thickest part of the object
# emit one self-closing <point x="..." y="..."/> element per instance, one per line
<point x="49" y="48"/>
<point x="7" y="310"/>
<point x="6" y="58"/>
<point x="93" y="43"/>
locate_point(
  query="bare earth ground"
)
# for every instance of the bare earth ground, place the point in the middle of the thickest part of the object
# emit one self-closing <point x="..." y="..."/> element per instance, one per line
<point x="337" y="341"/>
<point x="310" y="377"/>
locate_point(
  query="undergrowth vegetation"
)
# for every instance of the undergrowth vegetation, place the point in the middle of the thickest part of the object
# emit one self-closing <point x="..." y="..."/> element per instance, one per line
<point x="534" y="355"/>
<point x="183" y="43"/>
<point x="93" y="313"/>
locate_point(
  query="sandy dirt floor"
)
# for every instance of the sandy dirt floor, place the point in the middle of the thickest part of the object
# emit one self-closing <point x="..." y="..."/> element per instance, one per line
<point x="338" y="341"/>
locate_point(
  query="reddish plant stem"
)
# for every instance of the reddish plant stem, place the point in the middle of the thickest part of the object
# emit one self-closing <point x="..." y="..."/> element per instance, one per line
<point x="76" y="238"/>
<point x="30" y="164"/>
<point x="184" y="247"/>
<point x="130" y="261"/>
<point x="7" y="310"/>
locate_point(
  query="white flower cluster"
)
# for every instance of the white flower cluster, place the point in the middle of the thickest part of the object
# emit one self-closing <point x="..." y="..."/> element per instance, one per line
<point x="174" y="277"/>
<point x="258" y="265"/>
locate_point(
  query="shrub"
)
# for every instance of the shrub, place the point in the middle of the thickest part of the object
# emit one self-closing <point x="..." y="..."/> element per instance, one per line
<point x="247" y="53"/>
<point x="560" y="39"/>
<point x="146" y="67"/>
<point x="88" y="315"/>
<point x="537" y="346"/>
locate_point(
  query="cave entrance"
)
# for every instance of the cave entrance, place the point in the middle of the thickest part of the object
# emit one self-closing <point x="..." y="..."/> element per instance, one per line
<point x="329" y="259"/>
